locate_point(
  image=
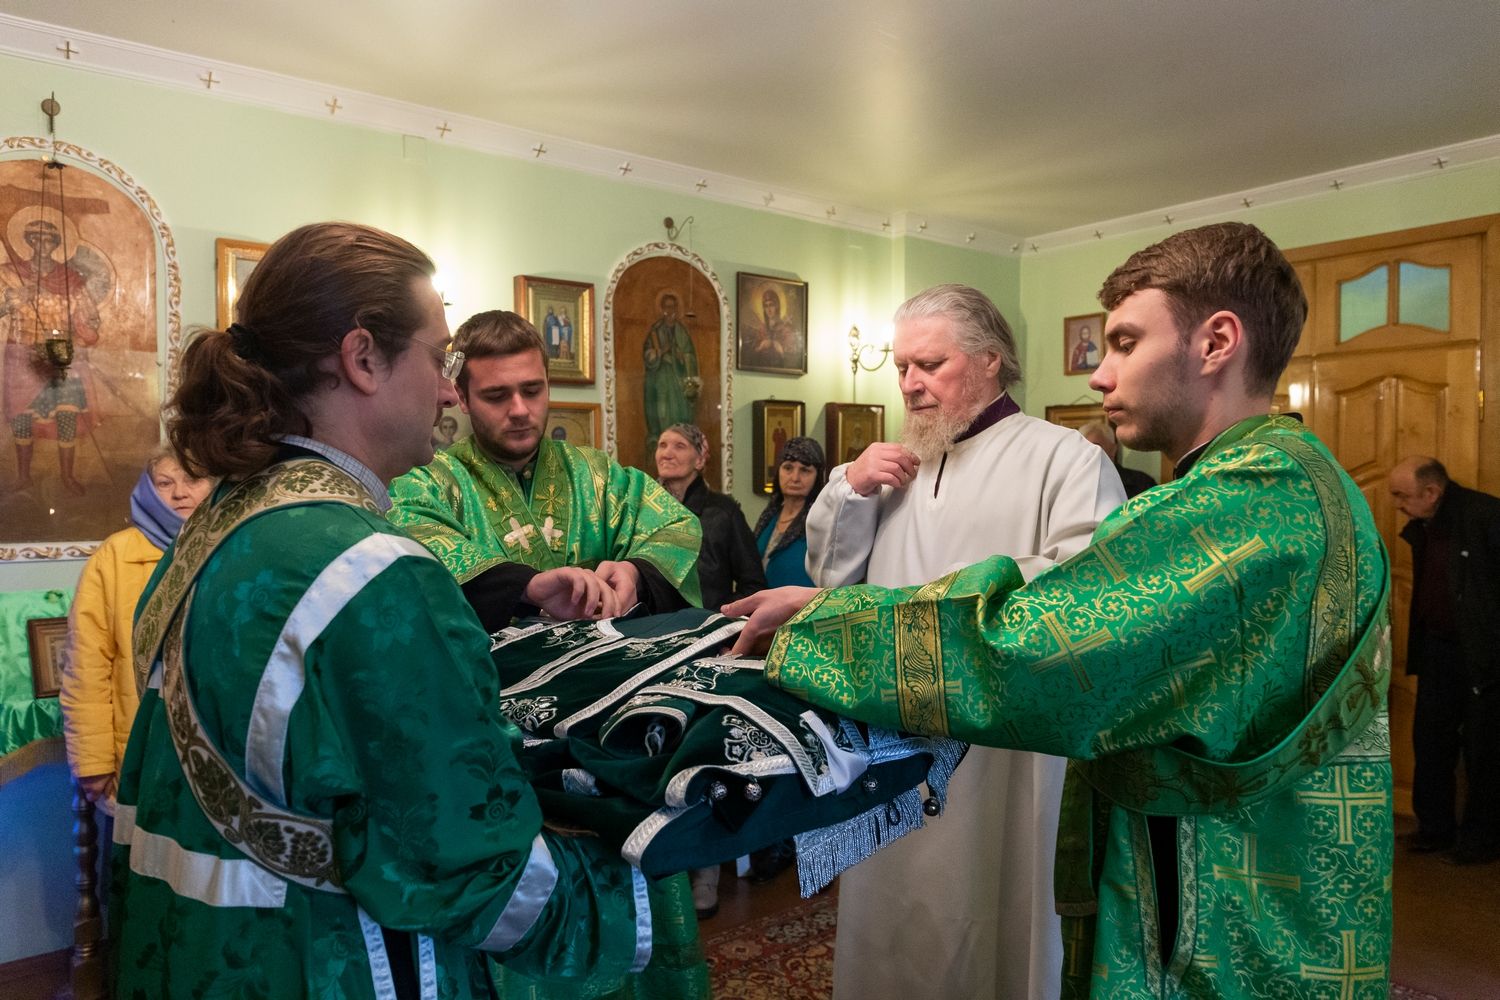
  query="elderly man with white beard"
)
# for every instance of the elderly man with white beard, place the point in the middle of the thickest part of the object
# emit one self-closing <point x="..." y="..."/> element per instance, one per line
<point x="964" y="906"/>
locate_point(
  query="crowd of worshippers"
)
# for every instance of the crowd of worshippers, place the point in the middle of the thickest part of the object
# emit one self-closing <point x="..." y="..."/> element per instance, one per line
<point x="1179" y="779"/>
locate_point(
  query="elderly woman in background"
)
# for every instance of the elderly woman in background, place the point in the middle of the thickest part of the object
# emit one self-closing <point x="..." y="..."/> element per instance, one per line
<point x="98" y="693"/>
<point x="728" y="565"/>
<point x="780" y="534"/>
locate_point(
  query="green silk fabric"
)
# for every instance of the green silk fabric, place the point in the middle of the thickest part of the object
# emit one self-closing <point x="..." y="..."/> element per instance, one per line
<point x="1219" y="654"/>
<point x="577" y="507"/>
<point x="25" y="720"/>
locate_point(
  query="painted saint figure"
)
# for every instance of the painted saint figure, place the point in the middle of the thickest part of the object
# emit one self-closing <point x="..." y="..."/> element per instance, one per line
<point x="672" y="382"/>
<point x="45" y="295"/>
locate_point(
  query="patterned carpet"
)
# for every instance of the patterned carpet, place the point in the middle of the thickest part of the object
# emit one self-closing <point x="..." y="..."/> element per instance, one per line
<point x="783" y="955"/>
<point x="790" y="954"/>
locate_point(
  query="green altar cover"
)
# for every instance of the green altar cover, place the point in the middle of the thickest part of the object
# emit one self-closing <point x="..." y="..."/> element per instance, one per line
<point x="30" y="728"/>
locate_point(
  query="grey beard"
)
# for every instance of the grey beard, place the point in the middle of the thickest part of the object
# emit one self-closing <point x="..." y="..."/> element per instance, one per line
<point x="929" y="437"/>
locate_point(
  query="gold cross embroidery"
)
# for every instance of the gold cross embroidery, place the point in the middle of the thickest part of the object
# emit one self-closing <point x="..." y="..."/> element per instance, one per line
<point x="1070" y="651"/>
<point x="1111" y="564"/>
<point x="1174" y="679"/>
<point x="652" y="499"/>
<point x="1344" y="800"/>
<point x="1224" y="563"/>
<point x="550" y="499"/>
<point x="844" y="626"/>
<point x="1347" y="974"/>
<point x="550" y="533"/>
<point x="517" y="535"/>
<point x="1255" y="879"/>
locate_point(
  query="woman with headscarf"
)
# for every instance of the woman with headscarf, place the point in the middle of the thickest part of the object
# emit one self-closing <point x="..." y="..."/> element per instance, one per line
<point x="98" y="692"/>
<point x="728" y="564"/>
<point x="780" y="534"/>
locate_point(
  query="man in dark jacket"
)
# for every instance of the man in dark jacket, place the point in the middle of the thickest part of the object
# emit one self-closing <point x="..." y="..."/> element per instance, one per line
<point x="1454" y="645"/>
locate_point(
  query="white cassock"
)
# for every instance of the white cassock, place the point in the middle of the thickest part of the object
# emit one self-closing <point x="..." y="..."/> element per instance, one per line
<point x="963" y="908"/>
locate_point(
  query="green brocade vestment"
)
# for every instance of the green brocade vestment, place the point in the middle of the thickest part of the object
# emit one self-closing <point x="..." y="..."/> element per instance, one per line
<point x="577" y="507"/>
<point x="1218" y="656"/>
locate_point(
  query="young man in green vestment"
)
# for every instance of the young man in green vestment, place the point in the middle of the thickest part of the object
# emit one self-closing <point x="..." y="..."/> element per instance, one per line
<point x="521" y="519"/>
<point x="320" y="797"/>
<point x="1214" y="664"/>
<point x="506" y="507"/>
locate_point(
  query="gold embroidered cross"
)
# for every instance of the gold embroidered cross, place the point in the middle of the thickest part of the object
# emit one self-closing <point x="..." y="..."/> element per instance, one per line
<point x="652" y="499"/>
<point x="549" y="499"/>
<point x="1344" y="800"/>
<point x="1111" y="564"/>
<point x="844" y="626"/>
<point x="1224" y="563"/>
<point x="1174" y="680"/>
<point x="550" y="533"/>
<point x="517" y="534"/>
<point x="1070" y="651"/>
<point x="1255" y="879"/>
<point x="1347" y="974"/>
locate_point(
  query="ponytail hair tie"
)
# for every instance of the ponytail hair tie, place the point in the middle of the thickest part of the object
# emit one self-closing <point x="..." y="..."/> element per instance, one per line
<point x="244" y="342"/>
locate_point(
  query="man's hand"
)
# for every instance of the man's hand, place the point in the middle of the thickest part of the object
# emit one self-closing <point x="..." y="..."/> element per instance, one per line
<point x="97" y="786"/>
<point x="768" y="610"/>
<point x="570" y="592"/>
<point x="882" y="464"/>
<point x="623" y="579"/>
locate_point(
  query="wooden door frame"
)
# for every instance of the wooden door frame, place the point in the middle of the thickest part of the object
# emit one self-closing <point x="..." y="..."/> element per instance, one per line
<point x="1487" y="227"/>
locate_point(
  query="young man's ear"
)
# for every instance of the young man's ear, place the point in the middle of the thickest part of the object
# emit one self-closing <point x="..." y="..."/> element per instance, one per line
<point x="360" y="361"/>
<point x="1223" y="340"/>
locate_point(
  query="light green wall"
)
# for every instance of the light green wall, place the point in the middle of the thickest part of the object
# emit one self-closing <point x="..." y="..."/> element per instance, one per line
<point x="217" y="168"/>
<point x="1066" y="282"/>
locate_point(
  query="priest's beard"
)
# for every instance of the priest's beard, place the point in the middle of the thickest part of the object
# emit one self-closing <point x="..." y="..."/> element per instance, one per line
<point x="929" y="435"/>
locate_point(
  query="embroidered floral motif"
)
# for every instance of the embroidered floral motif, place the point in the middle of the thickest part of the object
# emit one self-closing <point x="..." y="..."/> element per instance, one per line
<point x="744" y="741"/>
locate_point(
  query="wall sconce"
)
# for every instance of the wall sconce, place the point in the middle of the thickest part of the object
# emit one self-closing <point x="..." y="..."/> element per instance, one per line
<point x="860" y="353"/>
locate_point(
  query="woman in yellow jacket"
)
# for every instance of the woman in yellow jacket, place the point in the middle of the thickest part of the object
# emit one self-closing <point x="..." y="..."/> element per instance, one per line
<point x="98" y="695"/>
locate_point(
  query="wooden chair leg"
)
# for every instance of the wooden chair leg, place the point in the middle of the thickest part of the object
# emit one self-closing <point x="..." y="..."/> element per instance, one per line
<point x="87" y="977"/>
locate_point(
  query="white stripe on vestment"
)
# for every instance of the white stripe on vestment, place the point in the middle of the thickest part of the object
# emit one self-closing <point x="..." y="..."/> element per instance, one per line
<point x="526" y="903"/>
<point x="210" y="880"/>
<point x="285" y="675"/>
<point x="427" y="959"/>
<point x="642" y="920"/>
<point x="381" y="979"/>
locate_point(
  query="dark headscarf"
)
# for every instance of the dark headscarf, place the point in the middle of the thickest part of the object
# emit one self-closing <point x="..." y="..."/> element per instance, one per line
<point x="150" y="513"/>
<point x="808" y="452"/>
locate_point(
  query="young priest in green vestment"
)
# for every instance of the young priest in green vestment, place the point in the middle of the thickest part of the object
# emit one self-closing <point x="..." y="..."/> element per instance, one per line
<point x="1215" y="664"/>
<point x="524" y="521"/>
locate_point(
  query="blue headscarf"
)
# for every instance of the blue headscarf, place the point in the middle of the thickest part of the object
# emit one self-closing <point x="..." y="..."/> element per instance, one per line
<point x="150" y="513"/>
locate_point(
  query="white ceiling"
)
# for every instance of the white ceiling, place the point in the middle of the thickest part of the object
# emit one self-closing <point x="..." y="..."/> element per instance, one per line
<point x="1017" y="116"/>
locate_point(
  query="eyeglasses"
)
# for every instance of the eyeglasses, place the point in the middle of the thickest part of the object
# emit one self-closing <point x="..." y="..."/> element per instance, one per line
<point x="453" y="361"/>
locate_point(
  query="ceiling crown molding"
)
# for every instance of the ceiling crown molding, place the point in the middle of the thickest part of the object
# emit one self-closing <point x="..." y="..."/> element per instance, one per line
<point x="1236" y="205"/>
<point x="219" y="80"/>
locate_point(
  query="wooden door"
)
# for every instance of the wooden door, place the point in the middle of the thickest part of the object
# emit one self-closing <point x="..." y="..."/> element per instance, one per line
<point x="1389" y="365"/>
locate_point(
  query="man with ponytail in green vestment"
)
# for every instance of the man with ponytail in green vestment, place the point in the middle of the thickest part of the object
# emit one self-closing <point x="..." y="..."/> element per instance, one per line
<point x="1214" y="664"/>
<point x="527" y="523"/>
